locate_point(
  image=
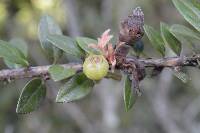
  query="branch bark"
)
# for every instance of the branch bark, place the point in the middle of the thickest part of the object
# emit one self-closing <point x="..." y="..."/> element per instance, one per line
<point x="172" y="61"/>
<point x="38" y="71"/>
<point x="42" y="71"/>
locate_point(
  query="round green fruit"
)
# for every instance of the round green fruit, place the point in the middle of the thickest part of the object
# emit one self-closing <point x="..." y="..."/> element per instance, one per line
<point x="95" y="67"/>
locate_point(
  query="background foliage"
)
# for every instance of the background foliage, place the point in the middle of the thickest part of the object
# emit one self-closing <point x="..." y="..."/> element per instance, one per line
<point x="167" y="105"/>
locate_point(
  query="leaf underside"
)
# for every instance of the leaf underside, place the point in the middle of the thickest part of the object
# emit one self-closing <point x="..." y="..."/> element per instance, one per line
<point x="31" y="96"/>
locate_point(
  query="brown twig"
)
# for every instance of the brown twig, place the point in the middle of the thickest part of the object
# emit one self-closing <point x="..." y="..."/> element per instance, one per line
<point x="172" y="61"/>
<point x="40" y="71"/>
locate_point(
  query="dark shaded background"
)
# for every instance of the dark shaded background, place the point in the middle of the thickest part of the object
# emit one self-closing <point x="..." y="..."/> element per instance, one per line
<point x="166" y="106"/>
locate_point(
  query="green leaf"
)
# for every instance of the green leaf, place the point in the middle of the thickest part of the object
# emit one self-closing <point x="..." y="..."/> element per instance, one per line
<point x="155" y="39"/>
<point x="48" y="26"/>
<point x="65" y="43"/>
<point x="21" y="46"/>
<point x="76" y="88"/>
<point x="129" y="96"/>
<point x="183" y="31"/>
<point x="83" y="42"/>
<point x="11" y="65"/>
<point x="31" y="97"/>
<point x="196" y="3"/>
<point x="58" y="72"/>
<point x="12" y="54"/>
<point x="169" y="39"/>
<point x="181" y="75"/>
<point x="189" y="11"/>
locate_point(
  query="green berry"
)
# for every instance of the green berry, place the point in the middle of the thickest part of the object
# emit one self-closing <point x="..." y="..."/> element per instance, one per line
<point x="95" y="67"/>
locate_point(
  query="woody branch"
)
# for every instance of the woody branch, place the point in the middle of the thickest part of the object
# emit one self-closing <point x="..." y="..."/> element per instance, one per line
<point x="42" y="71"/>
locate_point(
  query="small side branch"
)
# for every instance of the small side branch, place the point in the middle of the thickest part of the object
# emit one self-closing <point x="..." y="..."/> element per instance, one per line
<point x="42" y="71"/>
<point x="172" y="61"/>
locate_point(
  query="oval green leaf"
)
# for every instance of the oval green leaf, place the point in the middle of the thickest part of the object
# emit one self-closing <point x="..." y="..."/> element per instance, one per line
<point x="11" y="65"/>
<point x="31" y="96"/>
<point x="169" y="38"/>
<point x="58" y="72"/>
<point x="21" y="45"/>
<point x="48" y="26"/>
<point x="155" y="39"/>
<point x="189" y="11"/>
<point x="181" y="75"/>
<point x="12" y="54"/>
<point x="76" y="88"/>
<point x="83" y="42"/>
<point x="65" y="43"/>
<point x="129" y="96"/>
<point x="183" y="31"/>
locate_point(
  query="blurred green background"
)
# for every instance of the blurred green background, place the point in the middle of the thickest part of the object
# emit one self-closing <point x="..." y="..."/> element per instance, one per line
<point x="166" y="106"/>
